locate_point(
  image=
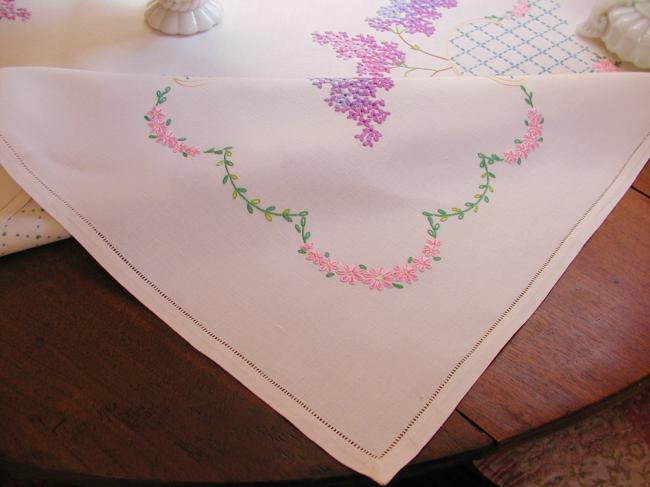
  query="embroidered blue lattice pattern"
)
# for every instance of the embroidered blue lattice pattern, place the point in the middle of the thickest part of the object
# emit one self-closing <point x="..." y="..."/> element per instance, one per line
<point x="539" y="42"/>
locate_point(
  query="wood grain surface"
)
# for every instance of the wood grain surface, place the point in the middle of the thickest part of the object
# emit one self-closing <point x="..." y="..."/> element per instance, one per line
<point x="94" y="383"/>
<point x="589" y="339"/>
<point x="642" y="182"/>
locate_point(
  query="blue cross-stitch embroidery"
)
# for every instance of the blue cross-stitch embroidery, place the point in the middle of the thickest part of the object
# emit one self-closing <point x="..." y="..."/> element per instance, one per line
<point x="537" y="43"/>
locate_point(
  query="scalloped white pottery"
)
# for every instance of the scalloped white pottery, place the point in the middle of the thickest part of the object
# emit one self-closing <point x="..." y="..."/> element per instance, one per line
<point x="624" y="27"/>
<point x="183" y="17"/>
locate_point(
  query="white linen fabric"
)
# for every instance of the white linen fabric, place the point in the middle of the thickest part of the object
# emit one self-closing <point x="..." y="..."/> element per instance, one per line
<point x="273" y="39"/>
<point x="452" y="228"/>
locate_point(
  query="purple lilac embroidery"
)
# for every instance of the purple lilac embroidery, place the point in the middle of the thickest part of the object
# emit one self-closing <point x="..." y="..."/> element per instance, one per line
<point x="375" y="59"/>
<point x="413" y="16"/>
<point x="9" y="11"/>
<point x="357" y="97"/>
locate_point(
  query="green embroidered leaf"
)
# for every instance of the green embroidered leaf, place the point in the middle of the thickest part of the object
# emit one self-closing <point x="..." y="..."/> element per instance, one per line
<point x="286" y="215"/>
<point x="427" y="214"/>
<point x="270" y="208"/>
<point x="436" y="227"/>
<point x="302" y="251"/>
<point x="182" y="139"/>
<point x="410" y="260"/>
<point x="461" y="216"/>
<point x="482" y="186"/>
<point x="456" y="210"/>
<point x="476" y="209"/>
<point x="517" y="141"/>
<point x="495" y="157"/>
<point x="184" y="154"/>
<point x="168" y="122"/>
<point x="255" y="202"/>
<point x="363" y="267"/>
<point x="327" y="254"/>
<point x="249" y="208"/>
<point x="298" y="229"/>
<point x="330" y="274"/>
<point x="229" y="163"/>
<point x="303" y="221"/>
<point x="242" y="190"/>
<point x="491" y="189"/>
<point x="469" y="205"/>
<point x="477" y="196"/>
<point x="234" y="177"/>
<point x="492" y="175"/>
<point x="486" y="199"/>
<point x="431" y="233"/>
<point x="268" y="217"/>
<point x="153" y="136"/>
<point x="397" y="286"/>
<point x="235" y="194"/>
<point x="443" y="219"/>
<point x="437" y="259"/>
<point x="483" y="176"/>
<point x="442" y="212"/>
<point x="307" y="235"/>
<point x="303" y="213"/>
<point x="146" y="117"/>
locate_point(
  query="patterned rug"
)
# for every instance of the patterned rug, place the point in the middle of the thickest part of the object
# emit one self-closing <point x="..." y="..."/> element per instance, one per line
<point x="609" y="449"/>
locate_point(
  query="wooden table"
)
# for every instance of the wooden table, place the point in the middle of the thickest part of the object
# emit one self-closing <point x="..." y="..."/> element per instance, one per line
<point x="92" y="384"/>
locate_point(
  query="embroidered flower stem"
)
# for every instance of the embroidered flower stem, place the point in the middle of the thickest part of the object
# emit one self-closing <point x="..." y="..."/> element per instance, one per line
<point x="410" y="69"/>
<point x="415" y="47"/>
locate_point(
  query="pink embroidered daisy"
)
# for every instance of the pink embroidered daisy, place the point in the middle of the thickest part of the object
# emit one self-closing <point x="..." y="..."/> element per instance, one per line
<point x="156" y="115"/>
<point x="534" y="117"/>
<point x="522" y="151"/>
<point x="534" y="130"/>
<point x="432" y="248"/>
<point x="315" y="257"/>
<point x="307" y="247"/>
<point x="378" y="278"/>
<point x="421" y="263"/>
<point x="531" y="141"/>
<point x="328" y="265"/>
<point x="191" y="151"/>
<point x="521" y="8"/>
<point x="511" y="157"/>
<point x="166" y="138"/>
<point x="349" y="273"/>
<point x="605" y="65"/>
<point x="405" y="273"/>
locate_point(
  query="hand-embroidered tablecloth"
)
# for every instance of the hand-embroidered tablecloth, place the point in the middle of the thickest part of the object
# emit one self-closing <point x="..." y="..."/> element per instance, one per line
<point x="343" y="219"/>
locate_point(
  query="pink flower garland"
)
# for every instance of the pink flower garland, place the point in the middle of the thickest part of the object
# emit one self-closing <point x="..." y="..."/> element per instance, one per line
<point x="530" y="140"/>
<point x="377" y="278"/>
<point x="159" y="130"/>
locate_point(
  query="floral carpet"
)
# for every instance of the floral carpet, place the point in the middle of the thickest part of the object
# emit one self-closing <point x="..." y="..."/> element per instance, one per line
<point x="608" y="449"/>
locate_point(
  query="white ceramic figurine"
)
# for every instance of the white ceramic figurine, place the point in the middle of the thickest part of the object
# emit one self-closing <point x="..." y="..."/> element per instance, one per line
<point x="183" y="17"/>
<point x="624" y="27"/>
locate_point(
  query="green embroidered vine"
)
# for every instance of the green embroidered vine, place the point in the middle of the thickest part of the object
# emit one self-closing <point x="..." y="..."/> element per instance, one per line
<point x="523" y="146"/>
<point x="253" y="205"/>
<point x="374" y="278"/>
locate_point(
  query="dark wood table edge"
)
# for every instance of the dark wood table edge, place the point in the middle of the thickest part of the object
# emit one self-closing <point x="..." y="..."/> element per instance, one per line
<point x="411" y="471"/>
